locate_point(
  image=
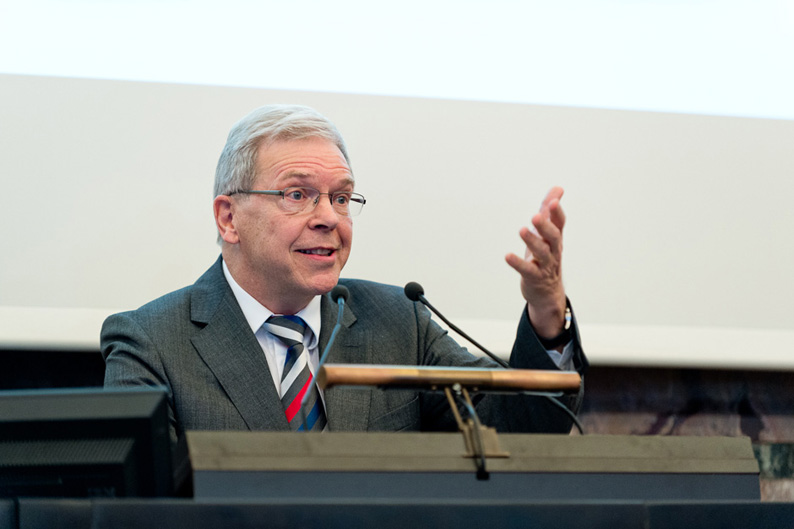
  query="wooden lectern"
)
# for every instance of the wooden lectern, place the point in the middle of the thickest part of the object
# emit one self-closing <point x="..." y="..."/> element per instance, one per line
<point x="438" y="466"/>
<point x="481" y="441"/>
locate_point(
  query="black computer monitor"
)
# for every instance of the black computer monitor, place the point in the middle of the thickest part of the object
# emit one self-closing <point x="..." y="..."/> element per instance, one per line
<point x="85" y="443"/>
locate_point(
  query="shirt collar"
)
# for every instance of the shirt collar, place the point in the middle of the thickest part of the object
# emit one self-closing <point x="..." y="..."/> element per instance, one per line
<point x="256" y="314"/>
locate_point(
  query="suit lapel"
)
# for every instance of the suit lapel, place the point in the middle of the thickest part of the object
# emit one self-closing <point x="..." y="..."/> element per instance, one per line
<point x="232" y="352"/>
<point x="347" y="409"/>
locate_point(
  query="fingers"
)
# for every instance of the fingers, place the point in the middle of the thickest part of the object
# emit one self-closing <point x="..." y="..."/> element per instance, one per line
<point x="537" y="247"/>
<point x="548" y="238"/>
<point x="525" y="267"/>
<point x="557" y="215"/>
<point x="555" y="193"/>
<point x="544" y="241"/>
<point x="551" y="208"/>
<point x="540" y="269"/>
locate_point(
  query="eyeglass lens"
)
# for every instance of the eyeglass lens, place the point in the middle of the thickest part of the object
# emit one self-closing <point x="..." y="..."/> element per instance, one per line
<point x="296" y="199"/>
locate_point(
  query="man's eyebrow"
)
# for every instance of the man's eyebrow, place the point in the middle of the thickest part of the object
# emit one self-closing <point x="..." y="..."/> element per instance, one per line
<point x="349" y="181"/>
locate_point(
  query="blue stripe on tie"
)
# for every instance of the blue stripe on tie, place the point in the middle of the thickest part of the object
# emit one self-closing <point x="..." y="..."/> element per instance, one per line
<point x="313" y="415"/>
<point x="311" y="418"/>
<point x="289" y="359"/>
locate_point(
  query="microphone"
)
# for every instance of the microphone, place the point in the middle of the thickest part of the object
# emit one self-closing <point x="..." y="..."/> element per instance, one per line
<point x="339" y="291"/>
<point x="415" y="292"/>
<point x="339" y="294"/>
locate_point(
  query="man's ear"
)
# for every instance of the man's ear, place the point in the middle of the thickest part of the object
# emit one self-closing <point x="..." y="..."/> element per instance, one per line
<point x="224" y="219"/>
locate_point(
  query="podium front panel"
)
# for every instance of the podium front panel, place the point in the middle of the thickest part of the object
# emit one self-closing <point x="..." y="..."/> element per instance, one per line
<point x="416" y="466"/>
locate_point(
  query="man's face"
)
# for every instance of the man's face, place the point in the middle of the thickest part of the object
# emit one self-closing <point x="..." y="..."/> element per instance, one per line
<point x="287" y="259"/>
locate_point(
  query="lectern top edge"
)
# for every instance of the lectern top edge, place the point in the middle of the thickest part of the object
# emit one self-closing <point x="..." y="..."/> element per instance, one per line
<point x="435" y="377"/>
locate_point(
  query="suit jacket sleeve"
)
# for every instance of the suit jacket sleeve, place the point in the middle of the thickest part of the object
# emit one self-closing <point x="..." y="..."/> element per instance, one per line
<point x="514" y="413"/>
<point x="132" y="359"/>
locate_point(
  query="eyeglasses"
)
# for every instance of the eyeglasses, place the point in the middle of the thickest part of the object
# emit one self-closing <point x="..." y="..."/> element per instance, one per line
<point x="302" y="199"/>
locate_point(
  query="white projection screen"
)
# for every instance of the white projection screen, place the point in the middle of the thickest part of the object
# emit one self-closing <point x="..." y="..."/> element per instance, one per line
<point x="678" y="247"/>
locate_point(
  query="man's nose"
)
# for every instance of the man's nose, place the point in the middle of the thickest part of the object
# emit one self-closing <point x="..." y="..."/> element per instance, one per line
<point x="324" y="211"/>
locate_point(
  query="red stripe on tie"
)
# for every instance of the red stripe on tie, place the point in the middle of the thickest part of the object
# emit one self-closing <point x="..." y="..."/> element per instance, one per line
<point x="295" y="405"/>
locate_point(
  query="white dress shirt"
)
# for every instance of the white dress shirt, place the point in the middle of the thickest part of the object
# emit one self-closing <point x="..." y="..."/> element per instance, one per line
<point x="275" y="350"/>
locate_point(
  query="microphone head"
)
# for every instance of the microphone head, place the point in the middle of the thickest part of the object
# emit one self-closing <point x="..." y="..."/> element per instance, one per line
<point x="414" y="290"/>
<point x="340" y="291"/>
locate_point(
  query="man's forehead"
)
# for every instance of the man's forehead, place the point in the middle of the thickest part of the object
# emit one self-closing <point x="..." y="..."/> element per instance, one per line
<point x="310" y="154"/>
<point x="306" y="145"/>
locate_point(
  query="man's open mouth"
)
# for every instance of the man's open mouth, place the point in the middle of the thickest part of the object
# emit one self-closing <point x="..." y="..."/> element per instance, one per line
<point x="318" y="251"/>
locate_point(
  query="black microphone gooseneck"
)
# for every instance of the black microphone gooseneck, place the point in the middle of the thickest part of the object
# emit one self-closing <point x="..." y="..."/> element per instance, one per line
<point x="415" y="292"/>
<point x="339" y="294"/>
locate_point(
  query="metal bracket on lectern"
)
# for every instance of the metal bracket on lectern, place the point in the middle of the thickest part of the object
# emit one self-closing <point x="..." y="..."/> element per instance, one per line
<point x="480" y="441"/>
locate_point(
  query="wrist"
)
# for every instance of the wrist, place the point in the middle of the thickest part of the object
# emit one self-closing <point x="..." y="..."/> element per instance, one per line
<point x="548" y="319"/>
<point x="553" y="328"/>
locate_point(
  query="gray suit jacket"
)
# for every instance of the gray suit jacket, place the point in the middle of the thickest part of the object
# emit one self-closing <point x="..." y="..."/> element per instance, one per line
<point x="196" y="343"/>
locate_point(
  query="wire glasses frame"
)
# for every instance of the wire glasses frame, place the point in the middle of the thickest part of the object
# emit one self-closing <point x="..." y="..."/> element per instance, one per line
<point x="302" y="199"/>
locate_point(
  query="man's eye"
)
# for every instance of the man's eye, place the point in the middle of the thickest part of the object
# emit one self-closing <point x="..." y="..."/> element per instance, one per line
<point x="341" y="199"/>
<point x="295" y="194"/>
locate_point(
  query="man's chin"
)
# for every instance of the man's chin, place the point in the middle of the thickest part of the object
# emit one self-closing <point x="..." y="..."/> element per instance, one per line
<point x="325" y="285"/>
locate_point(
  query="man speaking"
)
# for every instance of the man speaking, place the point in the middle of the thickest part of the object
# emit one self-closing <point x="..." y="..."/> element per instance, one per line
<point x="237" y="350"/>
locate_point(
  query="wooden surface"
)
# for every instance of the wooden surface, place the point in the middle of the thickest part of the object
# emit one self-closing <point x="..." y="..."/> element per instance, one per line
<point x="436" y="452"/>
<point x="438" y="377"/>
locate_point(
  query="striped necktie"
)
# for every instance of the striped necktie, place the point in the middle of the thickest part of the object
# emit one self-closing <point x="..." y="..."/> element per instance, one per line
<point x="296" y="378"/>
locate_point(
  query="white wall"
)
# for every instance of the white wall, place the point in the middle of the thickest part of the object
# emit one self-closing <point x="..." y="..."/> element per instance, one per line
<point x="719" y="57"/>
<point x="680" y="226"/>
